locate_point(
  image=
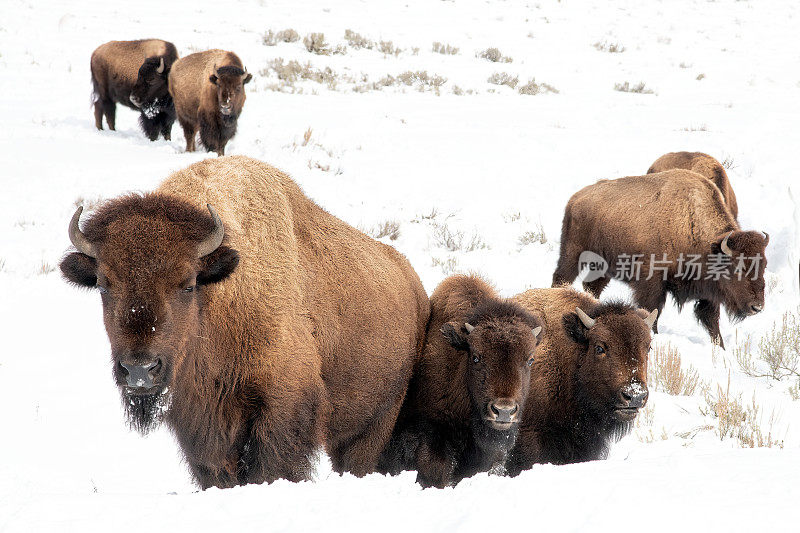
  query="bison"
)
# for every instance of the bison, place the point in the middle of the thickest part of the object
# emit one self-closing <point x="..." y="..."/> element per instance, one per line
<point x="462" y="409"/>
<point x="703" y="164"/>
<point x="134" y="74"/>
<point x="666" y="233"/>
<point x="208" y="89"/>
<point x="258" y="329"/>
<point x="588" y="380"/>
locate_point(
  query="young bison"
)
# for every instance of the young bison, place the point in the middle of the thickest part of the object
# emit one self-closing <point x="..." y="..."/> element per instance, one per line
<point x="703" y="164"/>
<point x="461" y="413"/>
<point x="588" y="381"/>
<point x="260" y="329"/>
<point x="134" y="74"/>
<point x="666" y="233"/>
<point x="208" y="89"/>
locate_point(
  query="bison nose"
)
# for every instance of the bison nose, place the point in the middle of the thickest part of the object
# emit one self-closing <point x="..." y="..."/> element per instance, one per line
<point x="142" y="376"/>
<point x="756" y="307"/>
<point x="633" y="396"/>
<point x="504" y="410"/>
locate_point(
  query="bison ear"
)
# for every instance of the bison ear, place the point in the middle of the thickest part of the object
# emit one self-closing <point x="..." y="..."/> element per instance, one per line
<point x="575" y="328"/>
<point x="217" y="265"/>
<point x="247" y="78"/>
<point x="456" y="335"/>
<point x="213" y="79"/>
<point x="79" y="269"/>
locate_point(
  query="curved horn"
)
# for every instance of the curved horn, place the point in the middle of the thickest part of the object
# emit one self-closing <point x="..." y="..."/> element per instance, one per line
<point x="161" y="65"/>
<point x="725" y="248"/>
<point x="537" y="330"/>
<point x="79" y="240"/>
<point x="469" y="327"/>
<point x="766" y="238"/>
<point x="213" y="241"/>
<point x="586" y="319"/>
<point x="651" y="318"/>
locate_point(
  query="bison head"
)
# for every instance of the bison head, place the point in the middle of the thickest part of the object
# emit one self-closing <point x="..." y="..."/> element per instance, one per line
<point x="742" y="257"/>
<point x="230" y="82"/>
<point x="151" y="258"/>
<point x="499" y="341"/>
<point x="151" y="83"/>
<point x="611" y="374"/>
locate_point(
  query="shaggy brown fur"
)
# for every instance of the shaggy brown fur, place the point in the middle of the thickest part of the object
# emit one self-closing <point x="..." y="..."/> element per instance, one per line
<point x="677" y="213"/>
<point x="586" y="384"/>
<point x="121" y="69"/>
<point x="461" y="412"/>
<point x="208" y="89"/>
<point x="309" y="341"/>
<point x="703" y="164"/>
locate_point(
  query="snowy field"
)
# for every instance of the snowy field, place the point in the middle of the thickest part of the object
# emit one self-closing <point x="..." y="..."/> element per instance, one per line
<point x="463" y="175"/>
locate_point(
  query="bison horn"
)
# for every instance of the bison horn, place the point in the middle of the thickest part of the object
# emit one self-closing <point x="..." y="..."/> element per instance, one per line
<point x="79" y="240"/>
<point x="213" y="241"/>
<point x="766" y="238"/>
<point x="537" y="330"/>
<point x="651" y="318"/>
<point x="586" y="319"/>
<point x="725" y="248"/>
<point x="160" y="68"/>
<point x="469" y="327"/>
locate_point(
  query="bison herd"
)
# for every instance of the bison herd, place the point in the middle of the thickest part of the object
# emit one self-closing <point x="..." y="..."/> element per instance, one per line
<point x="204" y="90"/>
<point x="261" y="329"/>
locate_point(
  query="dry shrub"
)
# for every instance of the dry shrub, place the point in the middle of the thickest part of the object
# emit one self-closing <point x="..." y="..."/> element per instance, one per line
<point x="530" y="237"/>
<point x="612" y="48"/>
<point x="388" y="48"/>
<point x="315" y="43"/>
<point x="448" y="266"/>
<point x="283" y="36"/>
<point x="358" y="41"/>
<point x="456" y="240"/>
<point x="293" y="71"/>
<point x="387" y="228"/>
<point x="444" y="49"/>
<point x="639" y="88"/>
<point x="738" y="421"/>
<point x="532" y="88"/>
<point x="503" y="78"/>
<point x="665" y="372"/>
<point x="494" y="55"/>
<point x="778" y="353"/>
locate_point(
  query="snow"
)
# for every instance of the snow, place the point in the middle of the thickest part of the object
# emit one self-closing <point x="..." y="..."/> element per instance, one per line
<point x="489" y="167"/>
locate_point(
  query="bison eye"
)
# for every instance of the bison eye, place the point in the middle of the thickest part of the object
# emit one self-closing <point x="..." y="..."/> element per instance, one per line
<point x="529" y="362"/>
<point x="599" y="350"/>
<point x="102" y="289"/>
<point x="475" y="359"/>
<point x="190" y="288"/>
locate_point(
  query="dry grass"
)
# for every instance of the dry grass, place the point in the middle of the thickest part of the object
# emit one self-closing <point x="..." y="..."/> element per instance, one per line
<point x="307" y="136"/>
<point x="612" y="48"/>
<point x="739" y="421"/>
<point x="358" y="41"/>
<point x="284" y="36"/>
<point x="503" y="78"/>
<point x="444" y="49"/>
<point x="639" y="88"/>
<point x="778" y="351"/>
<point x="494" y="55"/>
<point x="535" y="236"/>
<point x="315" y="43"/>
<point x="45" y="268"/>
<point x="533" y="88"/>
<point x="387" y="228"/>
<point x="665" y="372"/>
<point x="448" y="266"/>
<point x="294" y="71"/>
<point x="456" y="240"/>
<point x="700" y="127"/>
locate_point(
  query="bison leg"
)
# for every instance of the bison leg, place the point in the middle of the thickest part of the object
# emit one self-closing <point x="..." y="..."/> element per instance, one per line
<point x="595" y="288"/>
<point x="651" y="296"/>
<point x="190" y="132"/>
<point x="707" y="314"/>
<point x="98" y="115"/>
<point x="166" y="127"/>
<point x="110" y="111"/>
<point x="434" y="465"/>
<point x="567" y="269"/>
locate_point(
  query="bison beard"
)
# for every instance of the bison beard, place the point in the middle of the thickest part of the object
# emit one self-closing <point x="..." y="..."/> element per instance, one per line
<point x="157" y="117"/>
<point x="144" y="411"/>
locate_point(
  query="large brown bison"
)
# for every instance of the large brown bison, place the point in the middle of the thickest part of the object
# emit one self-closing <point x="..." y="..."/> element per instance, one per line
<point x="460" y="416"/>
<point x="588" y="381"/>
<point x="666" y="233"/>
<point x="208" y="89"/>
<point x="134" y="74"/>
<point x="703" y="164"/>
<point x="259" y="329"/>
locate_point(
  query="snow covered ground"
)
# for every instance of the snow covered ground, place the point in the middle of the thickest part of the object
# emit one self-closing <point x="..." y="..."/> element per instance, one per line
<point x="478" y="162"/>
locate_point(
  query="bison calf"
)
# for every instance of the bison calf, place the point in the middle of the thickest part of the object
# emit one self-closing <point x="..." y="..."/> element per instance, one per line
<point x="588" y="380"/>
<point x="134" y="74"/>
<point x="460" y="416"/>
<point x="208" y="89"/>
<point x="704" y="165"/>
<point x="665" y="233"/>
